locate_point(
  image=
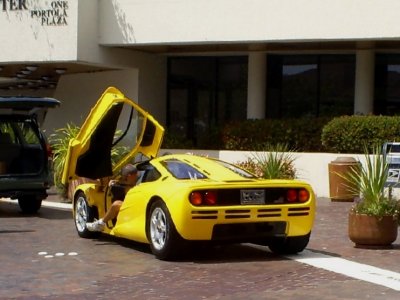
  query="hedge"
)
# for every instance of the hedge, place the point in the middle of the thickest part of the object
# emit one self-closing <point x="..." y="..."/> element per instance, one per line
<point x="350" y="134"/>
<point x="346" y="134"/>
<point x="302" y="135"/>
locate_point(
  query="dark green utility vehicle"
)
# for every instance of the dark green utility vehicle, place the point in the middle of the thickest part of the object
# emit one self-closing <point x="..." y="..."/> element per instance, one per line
<point x="25" y="156"/>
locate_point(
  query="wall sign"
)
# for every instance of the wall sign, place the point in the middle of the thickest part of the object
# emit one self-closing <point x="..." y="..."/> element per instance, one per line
<point x="55" y="14"/>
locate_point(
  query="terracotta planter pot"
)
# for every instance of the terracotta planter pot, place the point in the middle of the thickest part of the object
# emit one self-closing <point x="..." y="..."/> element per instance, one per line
<point x="367" y="231"/>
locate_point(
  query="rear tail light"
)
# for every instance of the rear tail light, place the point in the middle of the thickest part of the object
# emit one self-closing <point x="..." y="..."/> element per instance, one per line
<point x="196" y="198"/>
<point x="203" y="198"/>
<point x="297" y="195"/>
<point x="291" y="195"/>
<point x="210" y="198"/>
<point x="270" y="196"/>
<point x="304" y="195"/>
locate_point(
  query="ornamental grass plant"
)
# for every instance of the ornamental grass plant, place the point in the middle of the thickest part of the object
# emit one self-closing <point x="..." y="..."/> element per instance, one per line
<point x="369" y="183"/>
<point x="274" y="162"/>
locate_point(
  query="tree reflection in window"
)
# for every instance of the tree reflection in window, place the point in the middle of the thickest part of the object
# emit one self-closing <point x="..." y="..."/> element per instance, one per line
<point x="182" y="170"/>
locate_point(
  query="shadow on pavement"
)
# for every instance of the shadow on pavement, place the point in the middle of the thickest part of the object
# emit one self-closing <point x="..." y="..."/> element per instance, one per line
<point x="203" y="253"/>
<point x="12" y="210"/>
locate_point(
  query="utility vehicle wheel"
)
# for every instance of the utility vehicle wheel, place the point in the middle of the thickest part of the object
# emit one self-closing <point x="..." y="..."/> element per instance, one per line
<point x="29" y="204"/>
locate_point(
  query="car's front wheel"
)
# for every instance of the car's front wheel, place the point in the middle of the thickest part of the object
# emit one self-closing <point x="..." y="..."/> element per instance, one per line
<point x="29" y="204"/>
<point x="83" y="213"/>
<point x="165" y="241"/>
<point x="289" y="245"/>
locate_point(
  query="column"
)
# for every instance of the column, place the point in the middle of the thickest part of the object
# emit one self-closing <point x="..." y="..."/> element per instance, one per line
<point x="364" y="82"/>
<point x="256" y="85"/>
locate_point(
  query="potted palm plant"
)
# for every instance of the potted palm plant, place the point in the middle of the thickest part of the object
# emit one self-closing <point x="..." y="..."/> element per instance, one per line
<point x="373" y="219"/>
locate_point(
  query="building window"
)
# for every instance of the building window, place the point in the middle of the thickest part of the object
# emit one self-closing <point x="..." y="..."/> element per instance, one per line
<point x="204" y="92"/>
<point x="387" y="87"/>
<point x="310" y="85"/>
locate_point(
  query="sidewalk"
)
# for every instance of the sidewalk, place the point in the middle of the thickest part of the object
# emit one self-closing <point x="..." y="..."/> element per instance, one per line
<point x="55" y="200"/>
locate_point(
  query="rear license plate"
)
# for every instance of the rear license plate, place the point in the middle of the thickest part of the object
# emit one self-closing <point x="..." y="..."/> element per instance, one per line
<point x="251" y="197"/>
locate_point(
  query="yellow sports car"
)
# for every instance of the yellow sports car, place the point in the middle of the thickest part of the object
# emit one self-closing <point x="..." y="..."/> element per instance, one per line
<point x="178" y="199"/>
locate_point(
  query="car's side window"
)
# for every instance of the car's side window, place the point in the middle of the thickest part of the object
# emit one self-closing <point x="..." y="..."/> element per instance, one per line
<point x="182" y="170"/>
<point x="151" y="175"/>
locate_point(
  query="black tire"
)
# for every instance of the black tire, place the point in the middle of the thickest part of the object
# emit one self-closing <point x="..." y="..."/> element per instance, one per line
<point x="289" y="245"/>
<point x="29" y="204"/>
<point x="165" y="241"/>
<point x="83" y="213"/>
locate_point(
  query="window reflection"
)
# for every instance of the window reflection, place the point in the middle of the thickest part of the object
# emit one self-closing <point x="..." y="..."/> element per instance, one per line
<point x="387" y="88"/>
<point x="289" y="70"/>
<point x="393" y="89"/>
<point x="204" y="92"/>
<point x="181" y="170"/>
<point x="310" y="85"/>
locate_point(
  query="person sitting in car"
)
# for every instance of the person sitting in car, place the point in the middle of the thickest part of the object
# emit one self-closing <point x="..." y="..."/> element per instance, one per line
<point x="119" y="188"/>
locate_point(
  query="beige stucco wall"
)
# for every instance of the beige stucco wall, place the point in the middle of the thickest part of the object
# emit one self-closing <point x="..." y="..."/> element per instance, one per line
<point x="193" y="21"/>
<point x="28" y="35"/>
<point x="79" y="92"/>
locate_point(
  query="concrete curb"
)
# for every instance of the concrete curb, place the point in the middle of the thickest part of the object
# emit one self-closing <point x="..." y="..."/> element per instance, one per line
<point x="49" y="204"/>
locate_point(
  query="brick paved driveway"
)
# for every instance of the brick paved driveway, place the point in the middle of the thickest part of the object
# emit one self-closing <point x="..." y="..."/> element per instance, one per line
<point x="106" y="268"/>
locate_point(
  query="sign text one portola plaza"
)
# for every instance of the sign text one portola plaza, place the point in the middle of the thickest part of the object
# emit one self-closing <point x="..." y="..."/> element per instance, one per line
<point x="53" y="15"/>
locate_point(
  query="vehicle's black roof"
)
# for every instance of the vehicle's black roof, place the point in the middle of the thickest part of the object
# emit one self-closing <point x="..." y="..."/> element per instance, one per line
<point x="27" y="103"/>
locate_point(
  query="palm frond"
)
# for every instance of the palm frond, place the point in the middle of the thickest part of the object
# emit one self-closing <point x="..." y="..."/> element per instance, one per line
<point x="276" y="161"/>
<point x="369" y="182"/>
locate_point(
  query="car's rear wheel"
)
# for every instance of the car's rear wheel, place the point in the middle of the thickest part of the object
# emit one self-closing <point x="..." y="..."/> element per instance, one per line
<point x="165" y="241"/>
<point x="289" y="245"/>
<point x="83" y="213"/>
<point x="29" y="204"/>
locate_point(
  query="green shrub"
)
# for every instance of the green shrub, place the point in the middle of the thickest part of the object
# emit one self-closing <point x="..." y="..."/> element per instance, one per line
<point x="176" y="141"/>
<point x="208" y="140"/>
<point x="251" y="166"/>
<point x="349" y="134"/>
<point x="304" y="135"/>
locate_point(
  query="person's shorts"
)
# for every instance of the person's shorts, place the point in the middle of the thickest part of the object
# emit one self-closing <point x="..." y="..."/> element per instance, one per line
<point x="117" y="192"/>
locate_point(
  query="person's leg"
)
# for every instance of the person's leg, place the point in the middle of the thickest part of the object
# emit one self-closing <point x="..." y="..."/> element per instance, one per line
<point x="112" y="213"/>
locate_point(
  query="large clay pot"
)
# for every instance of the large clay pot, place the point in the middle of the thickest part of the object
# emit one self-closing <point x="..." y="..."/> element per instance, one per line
<point x="367" y="231"/>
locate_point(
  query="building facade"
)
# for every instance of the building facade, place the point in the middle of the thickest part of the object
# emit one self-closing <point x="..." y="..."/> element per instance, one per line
<point x="196" y="64"/>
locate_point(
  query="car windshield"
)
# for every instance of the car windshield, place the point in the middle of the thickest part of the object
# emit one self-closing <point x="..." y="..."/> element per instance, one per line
<point x="182" y="170"/>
